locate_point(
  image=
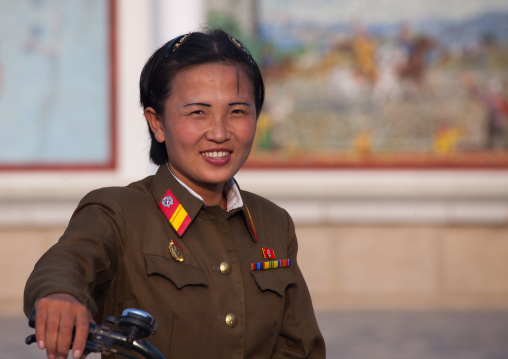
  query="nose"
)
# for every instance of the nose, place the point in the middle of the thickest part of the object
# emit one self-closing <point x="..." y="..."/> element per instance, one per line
<point x="218" y="130"/>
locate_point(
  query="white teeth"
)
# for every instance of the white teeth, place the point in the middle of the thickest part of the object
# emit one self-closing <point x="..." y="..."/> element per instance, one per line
<point x="216" y="154"/>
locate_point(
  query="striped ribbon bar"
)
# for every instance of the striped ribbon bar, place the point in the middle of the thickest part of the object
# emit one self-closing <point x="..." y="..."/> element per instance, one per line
<point x="271" y="264"/>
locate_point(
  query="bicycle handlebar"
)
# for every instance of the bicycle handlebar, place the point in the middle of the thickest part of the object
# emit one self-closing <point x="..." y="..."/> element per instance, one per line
<point x="134" y="325"/>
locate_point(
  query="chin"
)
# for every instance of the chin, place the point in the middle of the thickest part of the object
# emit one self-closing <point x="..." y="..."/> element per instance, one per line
<point x="219" y="178"/>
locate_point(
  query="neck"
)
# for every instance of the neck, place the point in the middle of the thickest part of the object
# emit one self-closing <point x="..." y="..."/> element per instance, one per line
<point x="212" y="194"/>
<point x="212" y="197"/>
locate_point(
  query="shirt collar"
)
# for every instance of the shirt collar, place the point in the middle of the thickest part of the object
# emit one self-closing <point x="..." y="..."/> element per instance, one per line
<point x="231" y="190"/>
<point x="233" y="195"/>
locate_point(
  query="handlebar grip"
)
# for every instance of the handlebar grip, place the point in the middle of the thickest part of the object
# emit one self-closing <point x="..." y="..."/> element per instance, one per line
<point x="30" y="339"/>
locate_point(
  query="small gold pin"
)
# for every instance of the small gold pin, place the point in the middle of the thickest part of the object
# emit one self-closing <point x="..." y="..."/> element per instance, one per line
<point x="176" y="251"/>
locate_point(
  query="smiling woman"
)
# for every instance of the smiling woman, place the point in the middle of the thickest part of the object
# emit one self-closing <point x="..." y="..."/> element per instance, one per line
<point x="207" y="126"/>
<point x="216" y="265"/>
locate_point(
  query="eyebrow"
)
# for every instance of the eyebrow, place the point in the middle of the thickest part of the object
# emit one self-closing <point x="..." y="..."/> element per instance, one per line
<point x="239" y="103"/>
<point x="197" y="104"/>
<point x="208" y="105"/>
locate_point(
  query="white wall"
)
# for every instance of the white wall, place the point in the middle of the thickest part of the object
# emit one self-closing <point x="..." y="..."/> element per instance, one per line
<point x="44" y="198"/>
<point x="48" y="198"/>
<point x="390" y="197"/>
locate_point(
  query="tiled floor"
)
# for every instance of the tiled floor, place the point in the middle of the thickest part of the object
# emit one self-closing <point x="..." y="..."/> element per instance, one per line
<point x="415" y="335"/>
<point x="362" y="335"/>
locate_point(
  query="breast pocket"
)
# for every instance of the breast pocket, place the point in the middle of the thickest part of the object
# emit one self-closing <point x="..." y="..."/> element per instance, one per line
<point x="180" y="274"/>
<point x="275" y="280"/>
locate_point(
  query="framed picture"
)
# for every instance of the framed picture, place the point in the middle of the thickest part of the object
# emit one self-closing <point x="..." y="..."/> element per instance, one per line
<point x="57" y="99"/>
<point x="383" y="84"/>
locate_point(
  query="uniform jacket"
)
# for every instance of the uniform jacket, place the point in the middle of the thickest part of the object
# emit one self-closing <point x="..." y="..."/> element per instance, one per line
<point x="114" y="255"/>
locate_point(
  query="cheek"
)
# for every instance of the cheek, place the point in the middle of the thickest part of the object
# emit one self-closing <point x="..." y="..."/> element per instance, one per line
<point x="182" y="134"/>
<point x="246" y="132"/>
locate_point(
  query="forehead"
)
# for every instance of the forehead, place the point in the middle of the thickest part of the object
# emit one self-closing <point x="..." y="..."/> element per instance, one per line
<point x="212" y="75"/>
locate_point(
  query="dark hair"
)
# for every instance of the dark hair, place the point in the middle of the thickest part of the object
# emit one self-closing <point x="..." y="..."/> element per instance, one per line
<point x="196" y="48"/>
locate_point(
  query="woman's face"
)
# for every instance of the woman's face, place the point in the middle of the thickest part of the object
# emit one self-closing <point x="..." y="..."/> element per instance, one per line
<point x="209" y="124"/>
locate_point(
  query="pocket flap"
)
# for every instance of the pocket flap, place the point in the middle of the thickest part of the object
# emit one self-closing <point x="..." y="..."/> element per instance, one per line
<point x="180" y="274"/>
<point x="275" y="280"/>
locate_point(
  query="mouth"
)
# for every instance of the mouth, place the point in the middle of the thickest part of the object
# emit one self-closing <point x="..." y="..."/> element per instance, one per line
<point x="216" y="154"/>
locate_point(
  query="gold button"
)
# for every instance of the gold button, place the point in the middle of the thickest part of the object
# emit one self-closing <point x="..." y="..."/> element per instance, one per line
<point x="225" y="268"/>
<point x="231" y="320"/>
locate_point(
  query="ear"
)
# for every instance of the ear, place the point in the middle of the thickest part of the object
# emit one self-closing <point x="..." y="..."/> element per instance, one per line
<point x="155" y="123"/>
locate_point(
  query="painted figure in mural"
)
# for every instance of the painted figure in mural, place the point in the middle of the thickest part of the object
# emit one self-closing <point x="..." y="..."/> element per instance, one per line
<point x="417" y="51"/>
<point x="215" y="265"/>
<point x="414" y="69"/>
<point x="364" y="54"/>
<point x="494" y="99"/>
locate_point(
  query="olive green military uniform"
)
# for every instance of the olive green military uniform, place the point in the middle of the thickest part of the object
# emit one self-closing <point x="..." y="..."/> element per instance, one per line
<point x="115" y="255"/>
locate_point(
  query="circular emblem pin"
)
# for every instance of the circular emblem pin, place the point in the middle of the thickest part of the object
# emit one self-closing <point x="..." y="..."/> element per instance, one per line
<point x="167" y="201"/>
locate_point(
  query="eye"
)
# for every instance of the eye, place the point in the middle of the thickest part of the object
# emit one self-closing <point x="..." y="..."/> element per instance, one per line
<point x="198" y="112"/>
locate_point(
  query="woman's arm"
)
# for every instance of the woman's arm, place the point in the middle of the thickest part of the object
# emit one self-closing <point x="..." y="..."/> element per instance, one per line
<point x="65" y="280"/>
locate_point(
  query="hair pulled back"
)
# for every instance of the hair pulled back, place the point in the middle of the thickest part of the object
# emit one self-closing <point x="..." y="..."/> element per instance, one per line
<point x="199" y="48"/>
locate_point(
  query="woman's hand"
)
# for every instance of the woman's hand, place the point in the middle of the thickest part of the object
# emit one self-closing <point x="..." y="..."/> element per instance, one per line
<point x="55" y="318"/>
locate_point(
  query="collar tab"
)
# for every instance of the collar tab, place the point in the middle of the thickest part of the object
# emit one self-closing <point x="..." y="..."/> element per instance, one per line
<point x="175" y="213"/>
<point x="250" y="224"/>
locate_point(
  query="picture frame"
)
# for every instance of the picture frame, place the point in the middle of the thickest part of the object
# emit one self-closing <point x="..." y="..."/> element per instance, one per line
<point x="382" y="84"/>
<point x="58" y="85"/>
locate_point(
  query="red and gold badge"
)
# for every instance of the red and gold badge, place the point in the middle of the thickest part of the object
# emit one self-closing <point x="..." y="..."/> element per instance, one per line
<point x="268" y="253"/>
